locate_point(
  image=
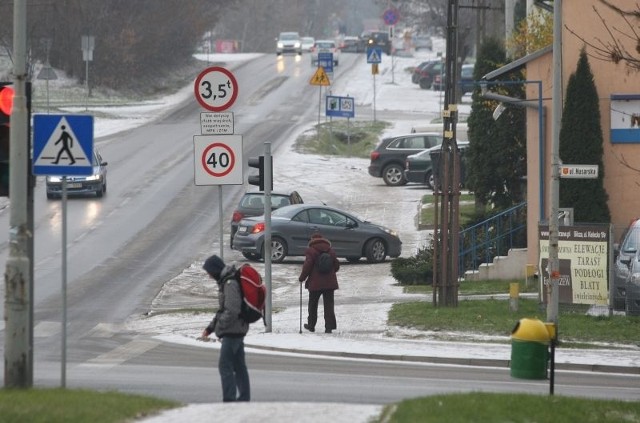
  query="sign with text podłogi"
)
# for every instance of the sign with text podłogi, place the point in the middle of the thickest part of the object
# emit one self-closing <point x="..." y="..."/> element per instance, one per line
<point x="583" y="255"/>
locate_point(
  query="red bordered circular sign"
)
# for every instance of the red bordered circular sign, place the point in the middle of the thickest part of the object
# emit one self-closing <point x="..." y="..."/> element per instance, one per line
<point x="218" y="159"/>
<point x="216" y="89"/>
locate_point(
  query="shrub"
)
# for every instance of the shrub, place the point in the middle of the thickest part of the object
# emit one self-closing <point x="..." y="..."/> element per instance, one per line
<point x="416" y="270"/>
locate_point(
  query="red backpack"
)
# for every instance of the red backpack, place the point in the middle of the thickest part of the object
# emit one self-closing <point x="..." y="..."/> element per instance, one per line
<point x="254" y="293"/>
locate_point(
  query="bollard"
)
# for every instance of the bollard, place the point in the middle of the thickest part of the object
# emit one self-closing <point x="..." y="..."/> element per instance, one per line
<point x="514" y="293"/>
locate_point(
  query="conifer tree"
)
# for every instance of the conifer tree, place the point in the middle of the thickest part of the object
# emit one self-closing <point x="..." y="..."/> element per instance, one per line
<point x="496" y="158"/>
<point x="581" y="142"/>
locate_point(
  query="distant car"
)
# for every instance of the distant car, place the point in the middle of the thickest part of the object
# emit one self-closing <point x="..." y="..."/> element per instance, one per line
<point x="292" y="227"/>
<point x="325" y="46"/>
<point x="377" y="39"/>
<point x="419" y="166"/>
<point x="388" y="159"/>
<point x="350" y="44"/>
<point x="421" y="42"/>
<point x="306" y="43"/>
<point x="288" y="42"/>
<point x="625" y="254"/>
<point x="466" y="81"/>
<point x="417" y="71"/>
<point x="252" y="204"/>
<point x="95" y="183"/>
<point x="429" y="72"/>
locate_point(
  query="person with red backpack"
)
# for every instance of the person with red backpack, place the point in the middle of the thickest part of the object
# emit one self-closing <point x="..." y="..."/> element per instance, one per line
<point x="231" y="329"/>
<point x="319" y="275"/>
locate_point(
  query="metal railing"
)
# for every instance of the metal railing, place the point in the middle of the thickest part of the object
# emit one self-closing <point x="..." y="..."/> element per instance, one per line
<point x="493" y="237"/>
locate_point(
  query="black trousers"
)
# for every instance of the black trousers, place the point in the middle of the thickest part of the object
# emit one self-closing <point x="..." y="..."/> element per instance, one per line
<point x="329" y="313"/>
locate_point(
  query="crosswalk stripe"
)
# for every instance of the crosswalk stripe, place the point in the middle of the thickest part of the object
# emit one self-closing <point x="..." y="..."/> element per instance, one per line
<point x="123" y="353"/>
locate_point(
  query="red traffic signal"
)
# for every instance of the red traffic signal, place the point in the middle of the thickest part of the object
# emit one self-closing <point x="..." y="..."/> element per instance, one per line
<point x="6" y="98"/>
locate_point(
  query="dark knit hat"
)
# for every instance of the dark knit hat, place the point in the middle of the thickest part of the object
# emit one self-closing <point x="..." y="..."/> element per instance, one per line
<point x="213" y="266"/>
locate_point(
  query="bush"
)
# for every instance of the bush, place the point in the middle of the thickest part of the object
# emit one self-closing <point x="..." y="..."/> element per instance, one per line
<point x="416" y="270"/>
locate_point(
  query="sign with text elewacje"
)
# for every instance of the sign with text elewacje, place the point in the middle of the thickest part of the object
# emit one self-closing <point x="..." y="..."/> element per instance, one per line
<point x="583" y="253"/>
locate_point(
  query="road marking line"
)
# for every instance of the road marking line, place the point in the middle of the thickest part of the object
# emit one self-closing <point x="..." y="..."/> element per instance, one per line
<point x="45" y="329"/>
<point x="123" y="353"/>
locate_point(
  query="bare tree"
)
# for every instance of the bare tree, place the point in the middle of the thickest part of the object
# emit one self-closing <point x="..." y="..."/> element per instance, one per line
<point x="623" y="44"/>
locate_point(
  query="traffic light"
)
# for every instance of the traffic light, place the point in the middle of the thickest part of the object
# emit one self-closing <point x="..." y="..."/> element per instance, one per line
<point x="259" y="179"/>
<point x="6" y="106"/>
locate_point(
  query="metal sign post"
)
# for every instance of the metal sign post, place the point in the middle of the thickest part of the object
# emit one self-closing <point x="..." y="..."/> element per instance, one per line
<point x="268" y="183"/>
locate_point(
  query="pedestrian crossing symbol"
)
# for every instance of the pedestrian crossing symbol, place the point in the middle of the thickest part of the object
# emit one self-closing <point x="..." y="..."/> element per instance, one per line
<point x="320" y="77"/>
<point x="374" y="55"/>
<point x="62" y="145"/>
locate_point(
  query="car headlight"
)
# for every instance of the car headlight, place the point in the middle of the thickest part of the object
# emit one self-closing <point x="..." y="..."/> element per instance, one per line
<point x="391" y="232"/>
<point x="54" y="179"/>
<point x="297" y="45"/>
<point x="280" y="45"/>
<point x="94" y="177"/>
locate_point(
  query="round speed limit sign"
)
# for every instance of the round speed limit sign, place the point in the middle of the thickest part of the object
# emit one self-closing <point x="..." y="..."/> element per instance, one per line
<point x="216" y="89"/>
<point x="218" y="159"/>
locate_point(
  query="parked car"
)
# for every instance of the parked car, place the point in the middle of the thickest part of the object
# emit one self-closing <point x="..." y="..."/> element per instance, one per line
<point x="429" y="72"/>
<point x="95" y="183"/>
<point x="292" y="227"/>
<point x="417" y="71"/>
<point x="252" y="204"/>
<point x="632" y="287"/>
<point x="306" y="43"/>
<point x="325" y="46"/>
<point x="350" y="44"/>
<point x="422" y="42"/>
<point x="288" y="42"/>
<point x="388" y="159"/>
<point x="466" y="81"/>
<point x="624" y="257"/>
<point x="419" y="166"/>
<point x="376" y="39"/>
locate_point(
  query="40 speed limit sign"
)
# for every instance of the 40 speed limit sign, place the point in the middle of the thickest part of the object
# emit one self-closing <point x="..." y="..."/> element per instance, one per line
<point x="216" y="89"/>
<point x="217" y="159"/>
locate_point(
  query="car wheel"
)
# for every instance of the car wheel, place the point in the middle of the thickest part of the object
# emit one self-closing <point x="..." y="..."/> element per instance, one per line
<point x="100" y="192"/>
<point x="50" y="196"/>
<point x="393" y="175"/>
<point x="632" y="305"/>
<point x="429" y="180"/>
<point x="251" y="256"/>
<point x="278" y="250"/>
<point x="425" y="84"/>
<point x="353" y="259"/>
<point x="375" y="251"/>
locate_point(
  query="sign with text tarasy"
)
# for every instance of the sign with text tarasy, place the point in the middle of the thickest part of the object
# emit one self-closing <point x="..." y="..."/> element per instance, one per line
<point x="583" y="254"/>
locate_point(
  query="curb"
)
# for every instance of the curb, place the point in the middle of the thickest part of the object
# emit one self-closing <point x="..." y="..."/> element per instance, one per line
<point x="482" y="362"/>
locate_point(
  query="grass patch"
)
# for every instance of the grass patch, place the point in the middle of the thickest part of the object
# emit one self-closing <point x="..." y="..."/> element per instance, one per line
<point x="71" y="406"/>
<point x="467" y="209"/>
<point x="512" y="408"/>
<point x="485" y="287"/>
<point x="492" y="317"/>
<point x="342" y="138"/>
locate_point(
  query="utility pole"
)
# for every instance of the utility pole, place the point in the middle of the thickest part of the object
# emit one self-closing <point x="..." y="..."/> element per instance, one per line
<point x="18" y="369"/>
<point x="447" y="186"/>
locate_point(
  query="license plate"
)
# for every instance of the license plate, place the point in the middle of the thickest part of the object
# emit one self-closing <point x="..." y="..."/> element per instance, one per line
<point x="243" y="229"/>
<point x="74" y="185"/>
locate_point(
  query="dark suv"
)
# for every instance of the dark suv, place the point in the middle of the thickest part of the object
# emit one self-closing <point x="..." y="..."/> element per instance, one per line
<point x="377" y="39"/>
<point x="624" y="267"/>
<point x="388" y="159"/>
<point x="252" y="204"/>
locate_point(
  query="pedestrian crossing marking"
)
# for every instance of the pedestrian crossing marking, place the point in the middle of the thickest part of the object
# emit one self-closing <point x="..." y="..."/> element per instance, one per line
<point x="320" y="77"/>
<point x="63" y="148"/>
<point x="123" y="353"/>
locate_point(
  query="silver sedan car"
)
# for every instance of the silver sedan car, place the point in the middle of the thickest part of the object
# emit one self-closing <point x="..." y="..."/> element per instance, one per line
<point x="292" y="227"/>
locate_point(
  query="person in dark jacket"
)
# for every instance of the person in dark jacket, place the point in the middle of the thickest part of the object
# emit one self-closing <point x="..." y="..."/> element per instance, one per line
<point x="231" y="329"/>
<point x="320" y="284"/>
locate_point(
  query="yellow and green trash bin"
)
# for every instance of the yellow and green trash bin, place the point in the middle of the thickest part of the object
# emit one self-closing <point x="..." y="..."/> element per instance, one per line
<point x="530" y="340"/>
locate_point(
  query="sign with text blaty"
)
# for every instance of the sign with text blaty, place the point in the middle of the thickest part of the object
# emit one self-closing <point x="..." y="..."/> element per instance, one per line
<point x="583" y="255"/>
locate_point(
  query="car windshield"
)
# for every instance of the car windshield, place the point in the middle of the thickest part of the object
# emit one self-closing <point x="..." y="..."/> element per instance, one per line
<point x="288" y="37"/>
<point x="632" y="240"/>
<point x="325" y="45"/>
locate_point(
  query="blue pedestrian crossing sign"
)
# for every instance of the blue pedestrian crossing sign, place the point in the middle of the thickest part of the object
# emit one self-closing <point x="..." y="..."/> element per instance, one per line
<point x="374" y="54"/>
<point x="62" y="145"/>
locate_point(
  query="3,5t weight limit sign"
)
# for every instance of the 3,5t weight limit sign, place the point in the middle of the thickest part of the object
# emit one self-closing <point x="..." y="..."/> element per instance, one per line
<point x="217" y="159"/>
<point x="216" y="89"/>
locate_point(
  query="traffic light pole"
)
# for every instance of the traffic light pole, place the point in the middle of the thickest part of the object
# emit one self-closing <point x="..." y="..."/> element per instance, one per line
<point x="18" y="370"/>
<point x="268" y="183"/>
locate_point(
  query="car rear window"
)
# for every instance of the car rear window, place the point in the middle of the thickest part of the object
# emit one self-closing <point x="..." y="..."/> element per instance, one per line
<point x="325" y="45"/>
<point x="632" y="239"/>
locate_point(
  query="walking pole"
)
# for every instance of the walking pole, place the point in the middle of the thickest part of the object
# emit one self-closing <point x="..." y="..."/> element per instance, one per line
<point x="300" y="307"/>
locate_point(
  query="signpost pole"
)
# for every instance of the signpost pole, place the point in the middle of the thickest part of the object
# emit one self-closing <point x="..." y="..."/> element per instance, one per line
<point x="63" y="361"/>
<point x="268" y="183"/>
<point x="220" y="214"/>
